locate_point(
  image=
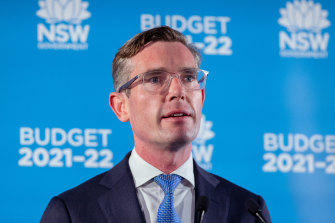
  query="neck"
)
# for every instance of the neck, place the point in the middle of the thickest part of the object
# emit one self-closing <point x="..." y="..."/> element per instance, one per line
<point x="165" y="159"/>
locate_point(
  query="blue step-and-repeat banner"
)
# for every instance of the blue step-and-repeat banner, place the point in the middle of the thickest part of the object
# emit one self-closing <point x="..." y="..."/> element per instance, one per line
<point x="269" y="117"/>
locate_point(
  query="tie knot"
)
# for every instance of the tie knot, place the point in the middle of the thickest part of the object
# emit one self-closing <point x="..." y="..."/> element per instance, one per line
<point x="168" y="182"/>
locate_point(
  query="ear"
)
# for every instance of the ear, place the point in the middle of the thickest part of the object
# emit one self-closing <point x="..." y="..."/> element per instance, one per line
<point x="203" y="95"/>
<point x="117" y="101"/>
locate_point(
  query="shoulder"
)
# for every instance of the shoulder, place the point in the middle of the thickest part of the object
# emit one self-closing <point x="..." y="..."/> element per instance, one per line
<point x="87" y="190"/>
<point x="233" y="188"/>
<point x="73" y="204"/>
<point x="83" y="202"/>
<point x="232" y="196"/>
<point x="92" y="188"/>
<point x="221" y="184"/>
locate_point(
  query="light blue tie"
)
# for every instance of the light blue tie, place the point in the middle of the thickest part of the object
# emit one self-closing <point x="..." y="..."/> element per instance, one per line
<point x="166" y="212"/>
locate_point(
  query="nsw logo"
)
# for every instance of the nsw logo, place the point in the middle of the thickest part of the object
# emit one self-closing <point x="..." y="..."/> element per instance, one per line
<point x="304" y="21"/>
<point x="62" y="28"/>
<point x="203" y="152"/>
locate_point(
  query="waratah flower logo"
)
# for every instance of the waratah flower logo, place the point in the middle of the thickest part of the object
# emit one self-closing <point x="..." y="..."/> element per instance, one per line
<point x="72" y="11"/>
<point x="205" y="132"/>
<point x="303" y="15"/>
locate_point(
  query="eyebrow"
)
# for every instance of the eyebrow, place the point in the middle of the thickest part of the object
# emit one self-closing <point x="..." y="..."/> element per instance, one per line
<point x="164" y="69"/>
<point x="155" y="69"/>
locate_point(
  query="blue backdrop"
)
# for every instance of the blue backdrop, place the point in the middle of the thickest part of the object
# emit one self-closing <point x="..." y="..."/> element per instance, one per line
<point x="268" y="120"/>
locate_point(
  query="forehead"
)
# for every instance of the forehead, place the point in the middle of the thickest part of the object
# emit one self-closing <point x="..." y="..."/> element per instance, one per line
<point x="168" y="55"/>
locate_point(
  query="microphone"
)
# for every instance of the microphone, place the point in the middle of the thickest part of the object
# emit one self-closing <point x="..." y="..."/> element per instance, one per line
<point x="254" y="209"/>
<point x="200" y="208"/>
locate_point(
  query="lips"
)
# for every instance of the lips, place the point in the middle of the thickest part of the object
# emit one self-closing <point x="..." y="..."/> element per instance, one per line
<point x="177" y="114"/>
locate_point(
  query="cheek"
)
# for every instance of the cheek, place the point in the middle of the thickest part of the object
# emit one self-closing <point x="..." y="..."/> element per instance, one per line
<point x="143" y="110"/>
<point x="198" y="103"/>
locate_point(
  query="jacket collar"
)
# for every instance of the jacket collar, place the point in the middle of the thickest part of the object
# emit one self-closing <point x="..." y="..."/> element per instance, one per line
<point x="206" y="184"/>
<point x="120" y="203"/>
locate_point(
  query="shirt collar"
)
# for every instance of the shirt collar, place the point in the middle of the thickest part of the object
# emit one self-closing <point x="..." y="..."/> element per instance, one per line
<point x="143" y="172"/>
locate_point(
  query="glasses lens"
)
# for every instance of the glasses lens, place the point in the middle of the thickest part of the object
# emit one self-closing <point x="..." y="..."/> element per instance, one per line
<point x="193" y="79"/>
<point x="155" y="80"/>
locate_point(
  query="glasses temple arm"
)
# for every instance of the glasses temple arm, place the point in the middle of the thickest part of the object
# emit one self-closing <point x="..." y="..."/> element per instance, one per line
<point x="126" y="85"/>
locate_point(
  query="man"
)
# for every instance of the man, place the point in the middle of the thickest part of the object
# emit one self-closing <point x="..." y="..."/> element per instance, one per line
<point x="160" y="90"/>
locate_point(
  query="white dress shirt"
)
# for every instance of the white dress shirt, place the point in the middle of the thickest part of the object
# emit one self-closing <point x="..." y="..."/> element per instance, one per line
<point x="150" y="194"/>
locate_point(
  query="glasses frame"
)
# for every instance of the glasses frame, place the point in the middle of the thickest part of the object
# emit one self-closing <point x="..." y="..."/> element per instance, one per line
<point x="172" y="75"/>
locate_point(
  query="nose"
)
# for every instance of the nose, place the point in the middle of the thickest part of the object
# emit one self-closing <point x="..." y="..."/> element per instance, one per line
<point x="176" y="89"/>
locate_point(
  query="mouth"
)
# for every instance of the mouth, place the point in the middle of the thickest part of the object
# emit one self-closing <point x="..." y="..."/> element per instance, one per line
<point x="176" y="115"/>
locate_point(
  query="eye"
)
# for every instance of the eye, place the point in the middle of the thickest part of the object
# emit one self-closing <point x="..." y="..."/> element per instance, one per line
<point x="154" y="78"/>
<point x="189" y="78"/>
<point x="189" y="75"/>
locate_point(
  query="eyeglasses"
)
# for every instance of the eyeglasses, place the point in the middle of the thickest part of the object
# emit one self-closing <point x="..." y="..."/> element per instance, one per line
<point x="158" y="81"/>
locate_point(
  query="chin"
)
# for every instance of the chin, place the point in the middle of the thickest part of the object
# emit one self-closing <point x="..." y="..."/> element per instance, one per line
<point x="179" y="141"/>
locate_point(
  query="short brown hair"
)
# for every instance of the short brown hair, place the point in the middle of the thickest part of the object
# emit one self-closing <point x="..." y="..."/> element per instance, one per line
<point x="121" y="63"/>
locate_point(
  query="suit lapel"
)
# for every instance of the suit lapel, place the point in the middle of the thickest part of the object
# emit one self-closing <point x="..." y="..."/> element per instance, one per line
<point x="120" y="203"/>
<point x="218" y="203"/>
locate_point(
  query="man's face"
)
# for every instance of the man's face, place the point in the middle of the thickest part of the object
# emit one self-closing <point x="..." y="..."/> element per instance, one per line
<point x="154" y="117"/>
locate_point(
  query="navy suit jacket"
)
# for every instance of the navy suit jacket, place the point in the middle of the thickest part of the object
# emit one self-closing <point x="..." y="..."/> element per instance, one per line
<point x="111" y="197"/>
